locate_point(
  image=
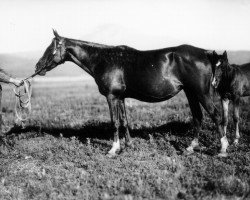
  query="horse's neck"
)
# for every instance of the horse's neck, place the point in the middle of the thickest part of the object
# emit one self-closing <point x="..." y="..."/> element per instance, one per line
<point x="82" y="54"/>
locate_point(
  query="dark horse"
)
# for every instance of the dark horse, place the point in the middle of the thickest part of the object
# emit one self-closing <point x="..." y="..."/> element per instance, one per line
<point x="152" y="76"/>
<point x="231" y="82"/>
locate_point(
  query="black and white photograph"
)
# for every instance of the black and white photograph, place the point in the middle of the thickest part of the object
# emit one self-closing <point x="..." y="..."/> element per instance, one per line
<point x="124" y="99"/>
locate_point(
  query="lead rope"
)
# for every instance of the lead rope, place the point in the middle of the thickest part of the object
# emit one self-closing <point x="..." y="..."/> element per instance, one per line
<point x="20" y="104"/>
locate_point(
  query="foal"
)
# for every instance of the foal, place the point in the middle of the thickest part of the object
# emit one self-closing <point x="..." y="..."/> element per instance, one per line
<point x="231" y="82"/>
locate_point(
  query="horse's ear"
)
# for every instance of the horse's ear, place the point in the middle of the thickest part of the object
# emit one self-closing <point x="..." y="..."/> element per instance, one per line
<point x="56" y="34"/>
<point x="212" y="56"/>
<point x="225" y="56"/>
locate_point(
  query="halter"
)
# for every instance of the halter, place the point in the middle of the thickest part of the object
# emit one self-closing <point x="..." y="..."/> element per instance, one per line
<point x="20" y="104"/>
<point x="54" y="52"/>
<point x="56" y="48"/>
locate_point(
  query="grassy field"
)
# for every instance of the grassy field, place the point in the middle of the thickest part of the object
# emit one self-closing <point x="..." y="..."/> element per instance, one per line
<point x="61" y="154"/>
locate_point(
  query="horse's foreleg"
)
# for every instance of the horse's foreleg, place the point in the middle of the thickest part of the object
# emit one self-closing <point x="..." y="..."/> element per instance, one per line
<point x="236" y="118"/>
<point x="114" y="108"/>
<point x="124" y="124"/>
<point x="197" y="118"/>
<point x="208" y="105"/>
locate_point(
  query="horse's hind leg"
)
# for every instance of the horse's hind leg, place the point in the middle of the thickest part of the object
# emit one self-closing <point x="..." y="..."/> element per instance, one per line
<point x="236" y="117"/>
<point x="197" y="118"/>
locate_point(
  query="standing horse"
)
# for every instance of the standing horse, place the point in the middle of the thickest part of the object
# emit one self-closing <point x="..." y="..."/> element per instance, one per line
<point x="152" y="76"/>
<point x="231" y="82"/>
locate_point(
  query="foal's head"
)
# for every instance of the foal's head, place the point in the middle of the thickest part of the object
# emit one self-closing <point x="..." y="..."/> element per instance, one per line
<point x="220" y="66"/>
<point x="54" y="55"/>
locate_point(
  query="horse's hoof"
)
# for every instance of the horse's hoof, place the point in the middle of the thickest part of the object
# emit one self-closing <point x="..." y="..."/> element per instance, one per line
<point x="129" y="144"/>
<point x="111" y="155"/>
<point x="188" y="151"/>
<point x="223" y="155"/>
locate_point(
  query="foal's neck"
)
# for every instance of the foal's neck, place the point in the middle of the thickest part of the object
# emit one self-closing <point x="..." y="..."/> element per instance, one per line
<point x="229" y="72"/>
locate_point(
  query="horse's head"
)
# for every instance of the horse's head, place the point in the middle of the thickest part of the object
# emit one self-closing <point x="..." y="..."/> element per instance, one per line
<point x="54" y="55"/>
<point x="220" y="66"/>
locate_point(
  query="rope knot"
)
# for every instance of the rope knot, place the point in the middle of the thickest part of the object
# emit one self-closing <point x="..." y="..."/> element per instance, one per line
<point x="23" y="105"/>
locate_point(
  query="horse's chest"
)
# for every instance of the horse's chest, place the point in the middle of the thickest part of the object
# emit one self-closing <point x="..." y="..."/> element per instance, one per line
<point x="111" y="82"/>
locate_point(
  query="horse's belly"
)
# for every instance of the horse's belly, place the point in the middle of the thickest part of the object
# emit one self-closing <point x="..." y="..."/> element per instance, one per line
<point x="155" y="92"/>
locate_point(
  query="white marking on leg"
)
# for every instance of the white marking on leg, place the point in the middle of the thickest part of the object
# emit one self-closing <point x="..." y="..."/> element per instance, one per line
<point x="193" y="144"/>
<point x="237" y="133"/>
<point x="224" y="144"/>
<point x="115" y="147"/>
<point x="236" y="121"/>
<point x="225" y="104"/>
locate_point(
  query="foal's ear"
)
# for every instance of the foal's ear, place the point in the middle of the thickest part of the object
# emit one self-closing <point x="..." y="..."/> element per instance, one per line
<point x="56" y="34"/>
<point x="215" y="54"/>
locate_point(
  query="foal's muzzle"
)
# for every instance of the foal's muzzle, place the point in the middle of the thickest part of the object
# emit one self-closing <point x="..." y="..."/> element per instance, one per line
<point x="215" y="83"/>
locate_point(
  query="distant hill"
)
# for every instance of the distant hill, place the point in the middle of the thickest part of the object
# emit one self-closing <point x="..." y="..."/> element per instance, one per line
<point x="23" y="64"/>
<point x="239" y="57"/>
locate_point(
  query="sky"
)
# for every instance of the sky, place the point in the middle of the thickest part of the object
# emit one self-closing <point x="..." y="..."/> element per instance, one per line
<point x="26" y="25"/>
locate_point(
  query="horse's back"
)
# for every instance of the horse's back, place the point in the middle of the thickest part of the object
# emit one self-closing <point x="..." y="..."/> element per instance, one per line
<point x="154" y="77"/>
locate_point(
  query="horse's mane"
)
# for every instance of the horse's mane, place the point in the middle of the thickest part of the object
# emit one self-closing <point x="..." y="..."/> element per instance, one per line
<point x="93" y="44"/>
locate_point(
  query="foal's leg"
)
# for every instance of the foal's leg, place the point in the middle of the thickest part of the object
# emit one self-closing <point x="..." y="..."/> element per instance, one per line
<point x="114" y="107"/>
<point x="1" y="120"/>
<point x="197" y="118"/>
<point x="208" y="105"/>
<point x="124" y="123"/>
<point x="224" y="142"/>
<point x="236" y="105"/>
<point x="225" y="103"/>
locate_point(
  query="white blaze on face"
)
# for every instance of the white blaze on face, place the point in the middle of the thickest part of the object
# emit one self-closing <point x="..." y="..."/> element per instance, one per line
<point x="218" y="63"/>
<point x="214" y="82"/>
<point x="214" y="79"/>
